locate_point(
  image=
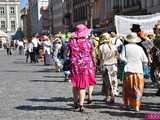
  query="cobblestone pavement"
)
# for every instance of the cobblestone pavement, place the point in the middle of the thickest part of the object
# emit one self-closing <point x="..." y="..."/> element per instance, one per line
<point x="37" y="92"/>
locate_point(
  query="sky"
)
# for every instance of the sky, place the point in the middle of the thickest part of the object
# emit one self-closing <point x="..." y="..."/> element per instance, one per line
<point x="23" y="3"/>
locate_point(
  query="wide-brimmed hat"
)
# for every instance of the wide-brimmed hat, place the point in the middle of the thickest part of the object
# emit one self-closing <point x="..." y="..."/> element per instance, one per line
<point x="45" y="38"/>
<point x="81" y="31"/>
<point x="59" y="34"/>
<point x="133" y="38"/>
<point x="135" y="28"/>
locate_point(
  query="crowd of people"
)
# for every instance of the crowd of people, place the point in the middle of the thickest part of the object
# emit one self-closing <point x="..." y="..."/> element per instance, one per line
<point x="81" y="54"/>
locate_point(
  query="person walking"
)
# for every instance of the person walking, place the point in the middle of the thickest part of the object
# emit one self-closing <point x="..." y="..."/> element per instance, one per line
<point x="108" y="61"/>
<point x="8" y="48"/>
<point x="35" y="43"/>
<point x="29" y="52"/>
<point x="57" y="53"/>
<point x="21" y="47"/>
<point x="82" y="65"/>
<point x="133" y="83"/>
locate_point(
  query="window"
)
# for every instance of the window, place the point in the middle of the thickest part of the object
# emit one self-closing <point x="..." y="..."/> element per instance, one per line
<point x="3" y="24"/>
<point x="12" y="10"/>
<point x="1" y="10"/>
<point x="13" y="25"/>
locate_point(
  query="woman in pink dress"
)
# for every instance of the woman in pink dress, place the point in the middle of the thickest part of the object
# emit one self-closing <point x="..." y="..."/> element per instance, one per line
<point x="82" y="65"/>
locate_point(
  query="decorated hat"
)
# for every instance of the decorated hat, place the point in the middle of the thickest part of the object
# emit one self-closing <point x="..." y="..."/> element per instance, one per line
<point x="45" y="38"/>
<point x="143" y="35"/>
<point x="132" y="38"/>
<point x="135" y="28"/>
<point x="81" y="31"/>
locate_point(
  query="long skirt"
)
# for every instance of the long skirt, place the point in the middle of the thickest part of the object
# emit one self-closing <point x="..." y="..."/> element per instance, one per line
<point x="47" y="59"/>
<point x="133" y="87"/>
<point x="110" y="82"/>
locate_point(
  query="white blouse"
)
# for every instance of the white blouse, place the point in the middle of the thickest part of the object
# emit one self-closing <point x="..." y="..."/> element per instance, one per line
<point x="108" y="56"/>
<point x="134" y="56"/>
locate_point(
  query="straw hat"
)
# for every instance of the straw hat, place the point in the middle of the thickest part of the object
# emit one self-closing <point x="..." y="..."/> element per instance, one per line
<point x="132" y="38"/>
<point x="105" y="37"/>
<point x="81" y="31"/>
<point x="59" y="34"/>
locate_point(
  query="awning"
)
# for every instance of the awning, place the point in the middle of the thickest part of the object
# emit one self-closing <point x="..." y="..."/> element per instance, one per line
<point x="3" y="34"/>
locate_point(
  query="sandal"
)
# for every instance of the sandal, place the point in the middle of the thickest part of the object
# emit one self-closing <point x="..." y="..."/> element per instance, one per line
<point x="76" y="105"/>
<point x="89" y="101"/>
<point x="81" y="109"/>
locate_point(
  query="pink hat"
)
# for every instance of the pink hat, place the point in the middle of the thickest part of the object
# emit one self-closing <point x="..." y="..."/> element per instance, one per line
<point x="45" y="38"/>
<point x="81" y="31"/>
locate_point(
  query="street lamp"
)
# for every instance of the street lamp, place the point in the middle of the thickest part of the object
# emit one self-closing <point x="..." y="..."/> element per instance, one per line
<point x="91" y="12"/>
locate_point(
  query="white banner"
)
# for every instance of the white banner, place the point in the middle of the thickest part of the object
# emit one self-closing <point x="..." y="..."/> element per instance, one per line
<point x="124" y="23"/>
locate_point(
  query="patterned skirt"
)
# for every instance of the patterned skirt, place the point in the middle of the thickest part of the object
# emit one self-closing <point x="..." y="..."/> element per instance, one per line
<point x="133" y="86"/>
<point x="110" y="82"/>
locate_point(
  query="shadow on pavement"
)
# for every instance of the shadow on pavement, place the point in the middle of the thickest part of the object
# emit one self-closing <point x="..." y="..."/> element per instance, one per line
<point x="52" y="99"/>
<point x="153" y="107"/>
<point x="36" y="108"/>
<point x="46" y="70"/>
<point x="129" y="114"/>
<point x="97" y="93"/>
<point x="18" y="71"/>
<point x="19" y="62"/>
<point x="53" y="76"/>
<point x="150" y="85"/>
<point x="43" y="81"/>
<point x="115" y="106"/>
<point x="146" y="94"/>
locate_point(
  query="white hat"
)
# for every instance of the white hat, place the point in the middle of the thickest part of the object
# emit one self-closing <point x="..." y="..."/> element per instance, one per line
<point x="133" y="38"/>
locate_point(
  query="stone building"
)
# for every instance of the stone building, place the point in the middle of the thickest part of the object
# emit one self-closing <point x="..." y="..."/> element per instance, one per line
<point x="9" y="15"/>
<point x="36" y="11"/>
<point x="65" y="14"/>
<point x="56" y="11"/>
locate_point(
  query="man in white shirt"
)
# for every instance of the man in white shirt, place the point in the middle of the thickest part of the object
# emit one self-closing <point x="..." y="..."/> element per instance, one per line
<point x="35" y="42"/>
<point x="29" y="52"/>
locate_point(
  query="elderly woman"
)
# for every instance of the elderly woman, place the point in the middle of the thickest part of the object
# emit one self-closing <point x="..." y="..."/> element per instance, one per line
<point x="82" y="65"/>
<point x="108" y="61"/>
<point x="133" y="85"/>
<point x="56" y="53"/>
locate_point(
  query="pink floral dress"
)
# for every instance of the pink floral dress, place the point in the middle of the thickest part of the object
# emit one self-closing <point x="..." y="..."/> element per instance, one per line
<point x="82" y="68"/>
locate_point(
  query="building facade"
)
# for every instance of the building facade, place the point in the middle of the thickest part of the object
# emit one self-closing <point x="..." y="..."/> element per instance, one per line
<point x="9" y="15"/>
<point x="36" y="13"/>
<point x="24" y="20"/>
<point x="57" y="11"/>
<point x="65" y="14"/>
<point x="151" y="6"/>
<point x="45" y="19"/>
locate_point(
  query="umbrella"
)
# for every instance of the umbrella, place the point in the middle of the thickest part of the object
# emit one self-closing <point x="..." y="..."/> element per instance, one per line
<point x="19" y="35"/>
